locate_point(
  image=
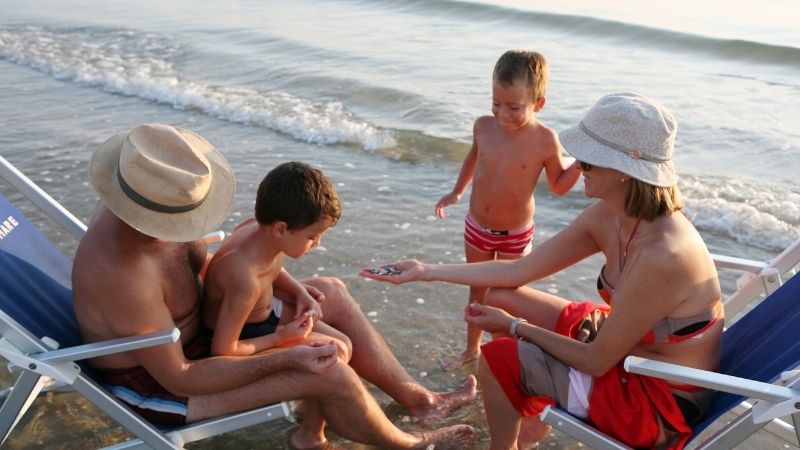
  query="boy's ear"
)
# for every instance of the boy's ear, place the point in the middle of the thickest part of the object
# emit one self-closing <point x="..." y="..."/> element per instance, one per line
<point x="539" y="104"/>
<point x="279" y="228"/>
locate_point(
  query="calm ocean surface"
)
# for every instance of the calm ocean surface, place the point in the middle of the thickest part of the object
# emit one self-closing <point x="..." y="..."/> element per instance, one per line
<point x="381" y="95"/>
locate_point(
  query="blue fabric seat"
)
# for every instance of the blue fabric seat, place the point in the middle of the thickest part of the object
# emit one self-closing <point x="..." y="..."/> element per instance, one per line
<point x="760" y="346"/>
<point x="34" y="269"/>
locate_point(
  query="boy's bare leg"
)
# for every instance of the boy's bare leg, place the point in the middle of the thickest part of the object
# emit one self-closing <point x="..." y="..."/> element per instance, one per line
<point x="322" y="329"/>
<point x="374" y="361"/>
<point x="474" y="334"/>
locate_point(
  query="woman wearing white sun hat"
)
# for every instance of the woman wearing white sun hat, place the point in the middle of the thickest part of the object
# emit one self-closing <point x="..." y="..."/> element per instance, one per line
<point x="666" y="295"/>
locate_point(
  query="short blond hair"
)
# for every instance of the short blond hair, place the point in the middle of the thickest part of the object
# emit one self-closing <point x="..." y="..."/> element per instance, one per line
<point x="648" y="202"/>
<point x="523" y="65"/>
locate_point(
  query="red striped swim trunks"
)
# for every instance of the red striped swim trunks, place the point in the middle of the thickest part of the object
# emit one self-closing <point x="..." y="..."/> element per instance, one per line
<point x="508" y="242"/>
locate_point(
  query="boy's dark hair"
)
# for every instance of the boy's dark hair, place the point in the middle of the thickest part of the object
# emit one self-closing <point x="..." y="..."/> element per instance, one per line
<point x="297" y="194"/>
<point x="526" y="66"/>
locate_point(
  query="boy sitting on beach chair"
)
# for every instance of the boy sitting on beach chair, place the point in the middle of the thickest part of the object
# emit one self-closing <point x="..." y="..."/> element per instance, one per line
<point x="295" y="206"/>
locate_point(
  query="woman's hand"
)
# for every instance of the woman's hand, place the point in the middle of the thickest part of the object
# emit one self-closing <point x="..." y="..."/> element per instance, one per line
<point x="397" y="273"/>
<point x="488" y="318"/>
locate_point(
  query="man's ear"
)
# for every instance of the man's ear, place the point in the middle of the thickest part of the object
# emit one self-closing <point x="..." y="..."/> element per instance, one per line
<point x="539" y="104"/>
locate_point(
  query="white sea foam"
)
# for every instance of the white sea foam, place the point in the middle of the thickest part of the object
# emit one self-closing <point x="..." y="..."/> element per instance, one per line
<point x="758" y="214"/>
<point x="142" y="65"/>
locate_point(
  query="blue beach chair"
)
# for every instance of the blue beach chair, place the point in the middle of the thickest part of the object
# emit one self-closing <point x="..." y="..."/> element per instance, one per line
<point x="760" y="361"/>
<point x="36" y="319"/>
<point x="759" y="278"/>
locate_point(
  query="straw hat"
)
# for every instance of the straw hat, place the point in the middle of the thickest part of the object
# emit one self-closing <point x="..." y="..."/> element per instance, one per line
<point x="627" y="132"/>
<point x="166" y="182"/>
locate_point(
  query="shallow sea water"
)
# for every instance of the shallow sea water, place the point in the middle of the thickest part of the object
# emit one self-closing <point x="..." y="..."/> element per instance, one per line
<point x="381" y="95"/>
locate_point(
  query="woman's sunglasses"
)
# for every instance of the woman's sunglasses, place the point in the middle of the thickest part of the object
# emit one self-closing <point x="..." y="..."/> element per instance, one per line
<point x="585" y="166"/>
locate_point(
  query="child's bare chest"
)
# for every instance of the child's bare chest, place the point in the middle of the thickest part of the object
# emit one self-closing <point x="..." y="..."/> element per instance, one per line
<point x="266" y="277"/>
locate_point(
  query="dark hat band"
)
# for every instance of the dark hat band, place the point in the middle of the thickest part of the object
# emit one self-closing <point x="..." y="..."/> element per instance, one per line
<point x="151" y="205"/>
<point x="633" y="153"/>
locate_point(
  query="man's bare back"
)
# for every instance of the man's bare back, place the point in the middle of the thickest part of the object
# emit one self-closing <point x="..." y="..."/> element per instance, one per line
<point x="165" y="285"/>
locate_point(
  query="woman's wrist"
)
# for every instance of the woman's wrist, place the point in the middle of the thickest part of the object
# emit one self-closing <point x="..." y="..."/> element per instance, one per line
<point x="425" y="273"/>
<point x="512" y="329"/>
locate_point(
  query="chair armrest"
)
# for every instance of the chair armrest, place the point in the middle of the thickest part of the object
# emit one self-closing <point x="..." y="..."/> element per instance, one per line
<point x="95" y="349"/>
<point x="744" y="265"/>
<point x="60" y="364"/>
<point x="214" y="237"/>
<point x="710" y="380"/>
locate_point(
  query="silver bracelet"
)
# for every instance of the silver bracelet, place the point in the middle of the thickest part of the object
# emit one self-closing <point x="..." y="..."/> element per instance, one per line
<point x="512" y="330"/>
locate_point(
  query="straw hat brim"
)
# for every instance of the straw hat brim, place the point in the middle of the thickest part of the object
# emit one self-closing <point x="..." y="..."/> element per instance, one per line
<point x="175" y="227"/>
<point x="584" y="148"/>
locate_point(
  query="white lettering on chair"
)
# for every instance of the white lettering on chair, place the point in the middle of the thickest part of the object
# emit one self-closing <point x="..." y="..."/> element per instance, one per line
<point x="7" y="226"/>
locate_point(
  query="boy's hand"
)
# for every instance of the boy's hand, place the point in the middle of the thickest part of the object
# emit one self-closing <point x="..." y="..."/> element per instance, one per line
<point x="488" y="318"/>
<point x="309" y="301"/>
<point x="446" y="201"/>
<point x="397" y="273"/>
<point x="315" y="293"/>
<point x="296" y="330"/>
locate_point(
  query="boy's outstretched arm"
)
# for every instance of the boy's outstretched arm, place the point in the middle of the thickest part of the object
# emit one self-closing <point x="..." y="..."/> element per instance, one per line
<point x="464" y="178"/>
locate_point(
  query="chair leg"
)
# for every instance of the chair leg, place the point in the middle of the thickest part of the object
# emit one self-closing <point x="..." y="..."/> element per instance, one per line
<point x="152" y="437"/>
<point x="25" y="390"/>
<point x="576" y="428"/>
<point x="733" y="433"/>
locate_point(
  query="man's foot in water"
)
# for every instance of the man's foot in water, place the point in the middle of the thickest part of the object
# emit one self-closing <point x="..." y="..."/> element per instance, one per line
<point x="438" y="405"/>
<point x="454" y="437"/>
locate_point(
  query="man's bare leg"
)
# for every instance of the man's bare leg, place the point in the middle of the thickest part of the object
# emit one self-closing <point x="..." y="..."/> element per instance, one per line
<point x="374" y="361"/>
<point x="311" y="433"/>
<point x="343" y="400"/>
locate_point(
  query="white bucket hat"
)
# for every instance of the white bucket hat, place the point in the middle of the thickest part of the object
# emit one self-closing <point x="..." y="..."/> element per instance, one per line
<point x="166" y="182"/>
<point x="627" y="132"/>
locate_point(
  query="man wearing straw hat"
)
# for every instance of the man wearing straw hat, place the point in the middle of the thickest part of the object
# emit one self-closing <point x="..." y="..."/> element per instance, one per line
<point x="136" y="271"/>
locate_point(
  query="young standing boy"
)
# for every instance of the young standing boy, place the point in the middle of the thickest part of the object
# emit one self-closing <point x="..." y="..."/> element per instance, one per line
<point x="509" y="150"/>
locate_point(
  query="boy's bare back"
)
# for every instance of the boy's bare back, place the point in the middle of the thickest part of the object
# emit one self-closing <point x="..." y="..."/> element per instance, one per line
<point x="242" y="273"/>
